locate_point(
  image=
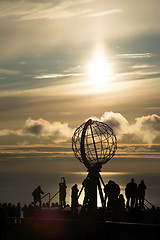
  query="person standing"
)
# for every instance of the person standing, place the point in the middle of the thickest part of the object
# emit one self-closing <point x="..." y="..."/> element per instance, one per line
<point x="112" y="191"/>
<point x="18" y="212"/>
<point x="62" y="192"/>
<point x="87" y="184"/>
<point x="131" y="193"/>
<point x="121" y="202"/>
<point x="37" y="195"/>
<point x="141" y="193"/>
<point x="107" y="193"/>
<point x="74" y="197"/>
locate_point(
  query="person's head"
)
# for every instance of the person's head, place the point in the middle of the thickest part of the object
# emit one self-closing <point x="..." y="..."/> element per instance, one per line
<point x="9" y="204"/>
<point x="121" y="196"/>
<point x="142" y="181"/>
<point x="62" y="179"/>
<point x="132" y="180"/>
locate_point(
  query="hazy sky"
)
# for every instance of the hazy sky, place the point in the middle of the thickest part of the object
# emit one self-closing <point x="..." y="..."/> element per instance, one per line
<point x="62" y="62"/>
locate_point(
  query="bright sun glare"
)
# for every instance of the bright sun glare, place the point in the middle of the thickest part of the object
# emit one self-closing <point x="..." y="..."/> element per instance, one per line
<point x="99" y="71"/>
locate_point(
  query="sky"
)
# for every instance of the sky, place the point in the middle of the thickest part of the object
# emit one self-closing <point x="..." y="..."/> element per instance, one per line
<point x="63" y="62"/>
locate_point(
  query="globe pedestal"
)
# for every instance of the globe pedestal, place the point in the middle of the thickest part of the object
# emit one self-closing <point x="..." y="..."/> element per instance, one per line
<point x="91" y="184"/>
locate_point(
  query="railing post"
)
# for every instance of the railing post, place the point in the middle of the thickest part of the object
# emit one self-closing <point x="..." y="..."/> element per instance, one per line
<point x="49" y="199"/>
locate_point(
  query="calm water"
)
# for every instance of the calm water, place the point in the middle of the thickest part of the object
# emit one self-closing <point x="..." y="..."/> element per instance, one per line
<point x="16" y="188"/>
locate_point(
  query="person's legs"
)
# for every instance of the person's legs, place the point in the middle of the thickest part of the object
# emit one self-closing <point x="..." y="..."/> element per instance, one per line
<point x="127" y="205"/>
<point x="132" y="201"/>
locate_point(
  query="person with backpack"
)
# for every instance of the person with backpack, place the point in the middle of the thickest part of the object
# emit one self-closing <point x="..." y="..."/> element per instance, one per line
<point x="37" y="196"/>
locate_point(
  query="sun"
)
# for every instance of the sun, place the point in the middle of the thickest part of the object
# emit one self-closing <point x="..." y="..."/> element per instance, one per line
<point x="99" y="71"/>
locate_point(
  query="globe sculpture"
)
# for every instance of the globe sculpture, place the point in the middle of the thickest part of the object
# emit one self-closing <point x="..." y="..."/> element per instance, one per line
<point x="94" y="144"/>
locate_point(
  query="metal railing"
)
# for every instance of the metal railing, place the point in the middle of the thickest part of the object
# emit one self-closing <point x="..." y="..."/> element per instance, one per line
<point x="50" y="198"/>
<point x="149" y="203"/>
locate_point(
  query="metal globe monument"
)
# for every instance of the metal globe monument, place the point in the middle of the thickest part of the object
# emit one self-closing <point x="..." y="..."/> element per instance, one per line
<point x="94" y="144"/>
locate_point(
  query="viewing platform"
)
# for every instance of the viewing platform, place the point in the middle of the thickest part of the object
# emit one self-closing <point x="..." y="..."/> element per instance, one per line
<point x="62" y="224"/>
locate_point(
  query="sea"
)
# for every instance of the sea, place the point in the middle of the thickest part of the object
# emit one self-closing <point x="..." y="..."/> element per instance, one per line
<point x="18" y="187"/>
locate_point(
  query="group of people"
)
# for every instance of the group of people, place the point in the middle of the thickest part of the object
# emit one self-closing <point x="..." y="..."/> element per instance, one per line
<point x="112" y="195"/>
<point x="10" y="211"/>
<point x="62" y="194"/>
<point x="113" y="199"/>
<point x="135" y="195"/>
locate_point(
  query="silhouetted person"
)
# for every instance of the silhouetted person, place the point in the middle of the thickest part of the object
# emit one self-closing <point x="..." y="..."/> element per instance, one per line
<point x="11" y="213"/>
<point x="127" y="193"/>
<point x="112" y="191"/>
<point x="107" y="192"/>
<point x="121" y="202"/>
<point x="131" y="193"/>
<point x="4" y="225"/>
<point x="141" y="193"/>
<point x="115" y="194"/>
<point x="25" y="210"/>
<point x="87" y="192"/>
<point x="62" y="192"/>
<point x="37" y="195"/>
<point x="18" y="212"/>
<point x="74" y="197"/>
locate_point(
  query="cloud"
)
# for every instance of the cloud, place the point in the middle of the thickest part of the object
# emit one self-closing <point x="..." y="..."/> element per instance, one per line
<point x="56" y="131"/>
<point x="136" y="75"/>
<point x="99" y="14"/>
<point x="9" y="72"/>
<point x="58" y="75"/>
<point x="135" y="55"/>
<point x="146" y="129"/>
<point x="153" y="108"/>
<point x="20" y="8"/>
<point x="143" y="66"/>
<point x="25" y="10"/>
<point x="115" y="120"/>
<point x="35" y="27"/>
<point x="6" y="132"/>
<point x="70" y="72"/>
